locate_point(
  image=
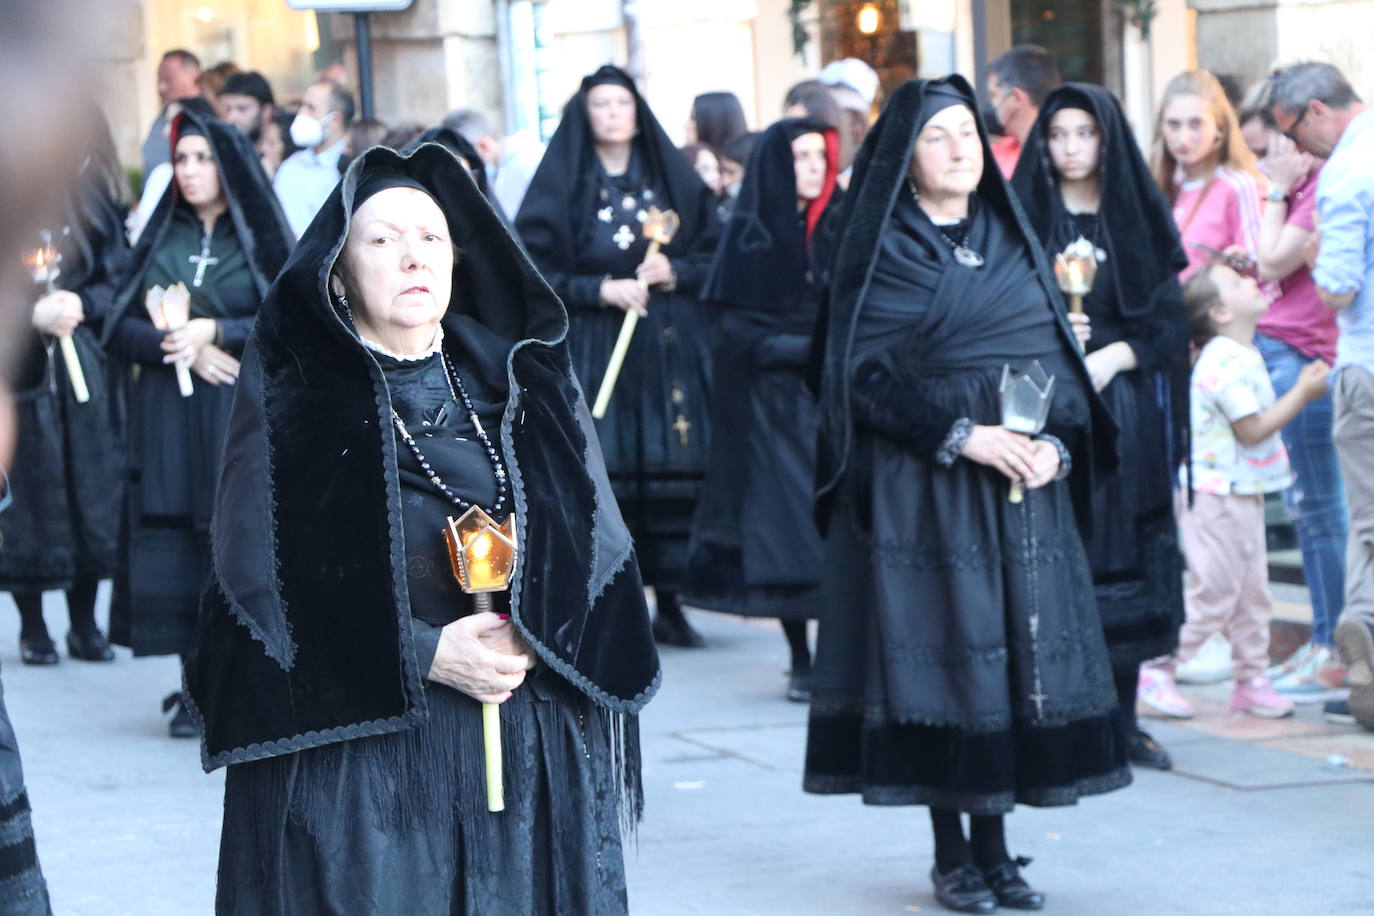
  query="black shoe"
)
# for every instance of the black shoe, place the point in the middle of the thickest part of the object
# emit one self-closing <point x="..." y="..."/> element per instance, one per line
<point x="1146" y="752"/>
<point x="1338" y="711"/>
<point x="963" y="890"/>
<point x="1010" y="889"/>
<point x="799" y="686"/>
<point x="676" y="633"/>
<point x="182" y="725"/>
<point x="92" y="646"/>
<point x="41" y="651"/>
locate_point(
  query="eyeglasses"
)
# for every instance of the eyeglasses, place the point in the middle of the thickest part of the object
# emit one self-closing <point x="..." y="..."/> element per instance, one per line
<point x="1291" y="132"/>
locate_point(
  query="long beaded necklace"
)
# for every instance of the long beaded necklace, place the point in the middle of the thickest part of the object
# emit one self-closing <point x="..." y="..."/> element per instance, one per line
<point x="460" y="394"/>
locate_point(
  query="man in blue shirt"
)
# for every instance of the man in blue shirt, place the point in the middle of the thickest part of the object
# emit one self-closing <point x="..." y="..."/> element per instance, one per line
<point x="1316" y="108"/>
<point x="305" y="179"/>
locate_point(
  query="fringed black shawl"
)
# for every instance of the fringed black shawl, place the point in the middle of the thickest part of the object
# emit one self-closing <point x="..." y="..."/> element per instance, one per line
<point x="304" y="636"/>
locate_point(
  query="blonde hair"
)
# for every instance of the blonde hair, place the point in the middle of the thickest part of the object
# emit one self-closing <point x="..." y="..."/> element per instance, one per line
<point x="1232" y="153"/>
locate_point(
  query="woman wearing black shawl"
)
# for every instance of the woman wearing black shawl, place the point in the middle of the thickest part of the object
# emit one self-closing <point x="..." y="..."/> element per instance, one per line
<point x="961" y="663"/>
<point x="67" y="477"/>
<point x="219" y="231"/>
<point x="608" y="162"/>
<point x="755" y="548"/>
<point x="1081" y="175"/>
<point x="323" y="658"/>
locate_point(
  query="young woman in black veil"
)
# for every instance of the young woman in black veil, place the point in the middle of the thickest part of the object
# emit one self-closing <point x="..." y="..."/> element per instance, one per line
<point x="961" y="663"/>
<point x="1081" y="175"/>
<point x="218" y="230"/>
<point x="755" y="549"/>
<point x="606" y="165"/>
<point x="67" y="478"/>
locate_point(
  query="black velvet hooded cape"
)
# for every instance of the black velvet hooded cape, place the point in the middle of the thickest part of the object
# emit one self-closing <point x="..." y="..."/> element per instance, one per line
<point x="304" y="636"/>
<point x="175" y="442"/>
<point x="582" y="226"/>
<point x="68" y="469"/>
<point x="1137" y="567"/>
<point x="755" y="547"/>
<point x="960" y="662"/>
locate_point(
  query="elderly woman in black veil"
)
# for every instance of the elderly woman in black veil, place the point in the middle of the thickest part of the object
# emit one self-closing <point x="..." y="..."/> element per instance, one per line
<point x="219" y="231"/>
<point x="67" y="477"/>
<point x="961" y="663"/>
<point x="1081" y="176"/>
<point x="755" y="548"/>
<point x="408" y="365"/>
<point x="605" y="166"/>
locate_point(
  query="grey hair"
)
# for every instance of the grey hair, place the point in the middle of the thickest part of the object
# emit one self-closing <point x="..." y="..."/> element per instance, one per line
<point x="471" y="124"/>
<point x="1309" y="81"/>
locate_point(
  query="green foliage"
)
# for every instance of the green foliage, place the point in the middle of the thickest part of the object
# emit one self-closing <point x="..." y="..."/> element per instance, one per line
<point x="1140" y="13"/>
<point x="800" y="37"/>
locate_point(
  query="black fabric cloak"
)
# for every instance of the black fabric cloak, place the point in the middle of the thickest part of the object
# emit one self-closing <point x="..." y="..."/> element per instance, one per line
<point x="755" y="547"/>
<point x="68" y="470"/>
<point x="582" y="226"/>
<point x="961" y="662"/>
<point x="357" y="784"/>
<point x="1134" y="553"/>
<point x="174" y="442"/>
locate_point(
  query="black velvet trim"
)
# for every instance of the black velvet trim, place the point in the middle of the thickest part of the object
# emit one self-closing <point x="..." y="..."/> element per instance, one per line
<point x="17" y="859"/>
<point x="892" y="763"/>
<point x="517" y="485"/>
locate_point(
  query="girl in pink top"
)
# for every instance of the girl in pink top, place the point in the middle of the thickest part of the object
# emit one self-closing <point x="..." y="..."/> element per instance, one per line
<point x="1206" y="171"/>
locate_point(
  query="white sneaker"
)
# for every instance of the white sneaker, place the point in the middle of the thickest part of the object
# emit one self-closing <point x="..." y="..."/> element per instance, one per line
<point x="1211" y="664"/>
<point x="1291" y="663"/>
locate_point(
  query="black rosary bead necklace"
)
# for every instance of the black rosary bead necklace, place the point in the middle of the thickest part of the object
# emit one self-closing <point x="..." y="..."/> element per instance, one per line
<point x="460" y="394"/>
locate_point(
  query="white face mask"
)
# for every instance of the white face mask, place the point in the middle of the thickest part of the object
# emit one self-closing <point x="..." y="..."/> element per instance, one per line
<point x="306" y="132"/>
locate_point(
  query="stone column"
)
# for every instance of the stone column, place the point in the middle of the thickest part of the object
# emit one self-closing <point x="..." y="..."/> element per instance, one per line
<point x="434" y="57"/>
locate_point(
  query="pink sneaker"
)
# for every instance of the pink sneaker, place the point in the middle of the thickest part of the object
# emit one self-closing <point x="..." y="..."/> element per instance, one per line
<point x="1158" y="691"/>
<point x="1258" y="697"/>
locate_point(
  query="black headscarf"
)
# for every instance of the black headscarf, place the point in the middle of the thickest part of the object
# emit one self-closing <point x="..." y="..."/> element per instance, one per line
<point x="259" y="224"/>
<point x="1141" y="240"/>
<point x="304" y="634"/>
<point x="879" y="183"/>
<point x="560" y="195"/>
<point x="766" y="251"/>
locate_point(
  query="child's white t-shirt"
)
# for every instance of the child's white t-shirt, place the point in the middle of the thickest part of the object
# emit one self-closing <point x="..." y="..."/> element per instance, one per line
<point x="1229" y="383"/>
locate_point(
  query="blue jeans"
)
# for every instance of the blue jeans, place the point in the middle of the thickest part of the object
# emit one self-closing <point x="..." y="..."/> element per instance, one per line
<point x="1316" y="501"/>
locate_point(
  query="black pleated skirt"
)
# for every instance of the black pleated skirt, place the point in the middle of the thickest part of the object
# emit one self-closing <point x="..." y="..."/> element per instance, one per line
<point x="961" y="662"/>
<point x="397" y="823"/>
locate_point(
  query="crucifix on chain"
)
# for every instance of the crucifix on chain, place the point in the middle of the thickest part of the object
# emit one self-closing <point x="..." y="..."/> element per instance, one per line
<point x="202" y="260"/>
<point x="683" y="427"/>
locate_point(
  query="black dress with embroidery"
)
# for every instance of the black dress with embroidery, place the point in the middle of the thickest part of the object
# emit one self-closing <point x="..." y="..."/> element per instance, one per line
<point x="960" y="660"/>
<point x="583" y="226"/>
<point x="654" y="435"/>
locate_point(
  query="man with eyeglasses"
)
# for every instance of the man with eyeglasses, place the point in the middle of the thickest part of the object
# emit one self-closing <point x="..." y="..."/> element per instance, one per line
<point x="1316" y="108"/>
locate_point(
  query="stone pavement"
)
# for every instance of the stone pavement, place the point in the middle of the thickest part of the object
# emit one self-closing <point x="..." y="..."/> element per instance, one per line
<point x="1253" y="820"/>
